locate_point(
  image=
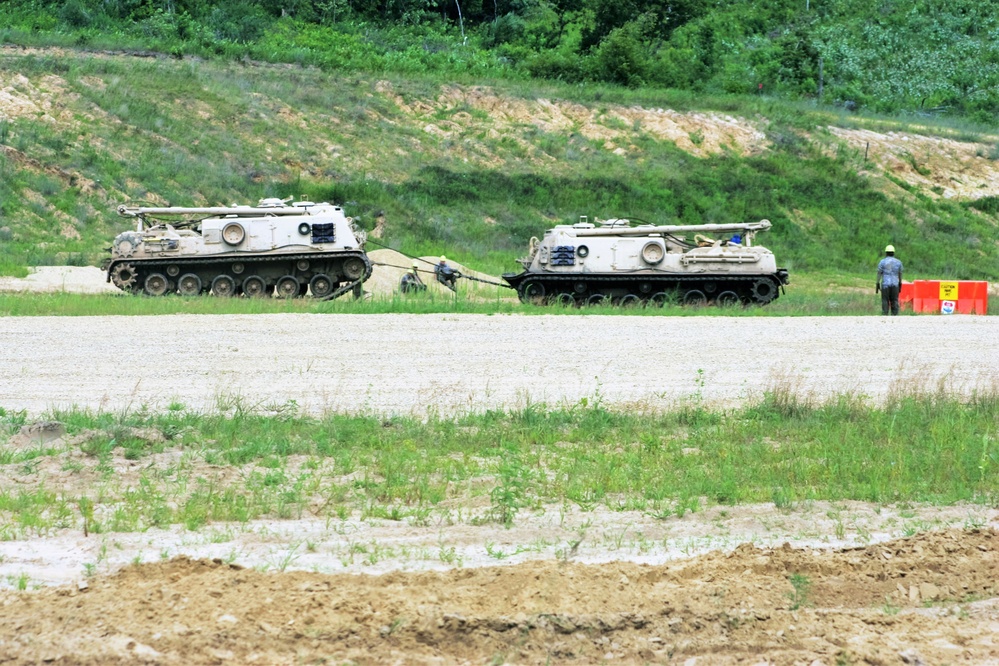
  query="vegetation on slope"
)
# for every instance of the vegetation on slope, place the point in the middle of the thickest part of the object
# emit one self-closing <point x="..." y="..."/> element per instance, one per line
<point x="471" y="171"/>
<point x="921" y="56"/>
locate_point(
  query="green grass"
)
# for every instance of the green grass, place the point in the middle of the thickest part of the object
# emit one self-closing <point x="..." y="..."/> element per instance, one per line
<point x="189" y="133"/>
<point x="920" y="446"/>
<point x="809" y="294"/>
<point x="813" y="298"/>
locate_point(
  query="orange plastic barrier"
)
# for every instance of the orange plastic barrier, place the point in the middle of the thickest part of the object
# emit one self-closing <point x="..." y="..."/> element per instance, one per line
<point x="905" y="294"/>
<point x="947" y="297"/>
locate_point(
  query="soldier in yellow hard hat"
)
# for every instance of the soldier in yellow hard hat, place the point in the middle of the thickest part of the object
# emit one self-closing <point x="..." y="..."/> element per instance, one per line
<point x="411" y="280"/>
<point x="446" y="275"/>
<point x="889" y="281"/>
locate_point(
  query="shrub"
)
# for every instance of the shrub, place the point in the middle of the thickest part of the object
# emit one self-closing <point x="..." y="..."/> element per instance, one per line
<point x="242" y="21"/>
<point x="622" y="58"/>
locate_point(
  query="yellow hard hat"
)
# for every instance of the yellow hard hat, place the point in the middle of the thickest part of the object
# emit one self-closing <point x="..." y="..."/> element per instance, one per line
<point x="443" y="258"/>
<point x="889" y="248"/>
<point x="415" y="265"/>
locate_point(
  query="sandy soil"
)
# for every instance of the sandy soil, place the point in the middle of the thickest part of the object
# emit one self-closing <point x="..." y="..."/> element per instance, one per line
<point x="412" y="364"/>
<point x="924" y="600"/>
<point x="561" y="586"/>
<point x="69" y="279"/>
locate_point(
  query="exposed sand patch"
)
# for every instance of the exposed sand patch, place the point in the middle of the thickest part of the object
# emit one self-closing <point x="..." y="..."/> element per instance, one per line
<point x="937" y="166"/>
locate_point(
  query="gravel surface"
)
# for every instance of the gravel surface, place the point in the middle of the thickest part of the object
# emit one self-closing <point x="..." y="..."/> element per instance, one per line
<point x="409" y="364"/>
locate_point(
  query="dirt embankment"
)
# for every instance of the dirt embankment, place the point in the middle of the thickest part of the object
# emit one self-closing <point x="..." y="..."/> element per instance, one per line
<point x="470" y="118"/>
<point x="927" y="599"/>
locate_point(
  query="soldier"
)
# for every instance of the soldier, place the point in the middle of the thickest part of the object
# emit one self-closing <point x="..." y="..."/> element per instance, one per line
<point x="889" y="281"/>
<point x="446" y="275"/>
<point x="411" y="281"/>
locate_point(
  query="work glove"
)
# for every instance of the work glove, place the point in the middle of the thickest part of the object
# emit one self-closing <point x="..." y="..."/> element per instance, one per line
<point x="877" y="288"/>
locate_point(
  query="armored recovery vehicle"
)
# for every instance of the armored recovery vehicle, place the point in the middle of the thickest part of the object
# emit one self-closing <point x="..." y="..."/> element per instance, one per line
<point x="617" y="262"/>
<point x="271" y="248"/>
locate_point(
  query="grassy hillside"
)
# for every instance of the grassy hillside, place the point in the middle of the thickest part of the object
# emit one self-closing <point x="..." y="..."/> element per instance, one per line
<point x="475" y="171"/>
<point x="923" y="56"/>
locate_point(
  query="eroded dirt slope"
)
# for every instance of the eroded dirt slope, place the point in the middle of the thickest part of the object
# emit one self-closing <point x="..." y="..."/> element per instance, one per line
<point x="926" y="599"/>
<point x="465" y="123"/>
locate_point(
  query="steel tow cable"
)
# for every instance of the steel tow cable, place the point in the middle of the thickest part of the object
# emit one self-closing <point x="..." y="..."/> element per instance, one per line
<point x="406" y="268"/>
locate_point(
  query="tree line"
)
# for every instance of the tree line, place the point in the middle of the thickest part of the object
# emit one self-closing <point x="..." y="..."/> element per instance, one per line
<point x="922" y="56"/>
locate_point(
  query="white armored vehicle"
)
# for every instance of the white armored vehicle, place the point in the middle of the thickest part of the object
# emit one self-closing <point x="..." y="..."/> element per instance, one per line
<point x="271" y="248"/>
<point x="614" y="261"/>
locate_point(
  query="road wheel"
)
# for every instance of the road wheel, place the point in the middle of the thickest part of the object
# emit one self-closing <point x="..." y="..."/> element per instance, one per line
<point x="630" y="301"/>
<point x="727" y="299"/>
<point x="695" y="297"/>
<point x="255" y="287"/>
<point x="224" y="286"/>
<point x="532" y="291"/>
<point x="156" y="284"/>
<point x="233" y="233"/>
<point x="353" y="268"/>
<point x="564" y="299"/>
<point x="659" y="299"/>
<point x="653" y="253"/>
<point x="596" y="299"/>
<point x="286" y="287"/>
<point x="189" y="284"/>
<point x="321" y="285"/>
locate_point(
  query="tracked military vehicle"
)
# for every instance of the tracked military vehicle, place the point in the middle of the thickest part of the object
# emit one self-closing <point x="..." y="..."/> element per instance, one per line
<point x="618" y="262"/>
<point x="274" y="248"/>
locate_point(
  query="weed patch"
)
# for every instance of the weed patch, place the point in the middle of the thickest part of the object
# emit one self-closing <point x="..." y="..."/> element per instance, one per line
<point x="237" y="465"/>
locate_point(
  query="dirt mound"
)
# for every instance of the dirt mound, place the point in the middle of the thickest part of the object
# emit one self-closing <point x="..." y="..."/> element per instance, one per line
<point x="71" y="279"/>
<point x="911" y="600"/>
<point x="389" y="267"/>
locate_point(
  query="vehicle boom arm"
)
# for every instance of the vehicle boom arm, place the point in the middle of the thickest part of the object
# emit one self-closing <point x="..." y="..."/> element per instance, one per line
<point x="239" y="211"/>
<point x="747" y="227"/>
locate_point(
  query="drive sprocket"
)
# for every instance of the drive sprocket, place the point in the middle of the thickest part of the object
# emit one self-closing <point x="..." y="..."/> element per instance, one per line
<point x="124" y="276"/>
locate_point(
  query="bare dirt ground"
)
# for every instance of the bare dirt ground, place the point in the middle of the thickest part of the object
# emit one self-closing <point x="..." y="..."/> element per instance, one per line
<point x="929" y="599"/>
<point x="577" y="587"/>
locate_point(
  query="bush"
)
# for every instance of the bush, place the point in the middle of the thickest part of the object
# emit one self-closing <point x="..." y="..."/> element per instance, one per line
<point x="241" y="22"/>
<point x="622" y="58"/>
<point x="557" y="66"/>
<point x="76" y="14"/>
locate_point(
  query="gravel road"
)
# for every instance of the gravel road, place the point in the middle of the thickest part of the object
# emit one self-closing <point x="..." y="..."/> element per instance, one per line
<point x="409" y="364"/>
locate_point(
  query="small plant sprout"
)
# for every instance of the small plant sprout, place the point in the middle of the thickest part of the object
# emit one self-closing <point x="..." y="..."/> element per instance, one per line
<point x="802" y="586"/>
